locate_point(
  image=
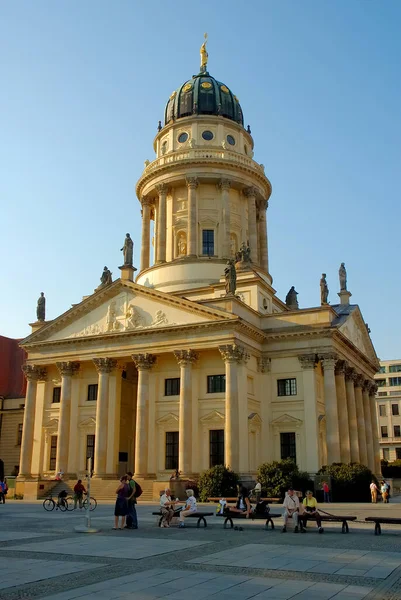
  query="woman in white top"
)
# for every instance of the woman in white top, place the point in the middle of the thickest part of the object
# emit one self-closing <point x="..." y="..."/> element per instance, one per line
<point x="190" y="507"/>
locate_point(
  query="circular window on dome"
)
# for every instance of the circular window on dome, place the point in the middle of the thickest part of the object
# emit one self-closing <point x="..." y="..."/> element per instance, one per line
<point x="187" y="87"/>
<point x="231" y="140"/>
<point x="183" y="137"/>
<point x="206" y="85"/>
<point x="225" y="89"/>
<point x="207" y="135"/>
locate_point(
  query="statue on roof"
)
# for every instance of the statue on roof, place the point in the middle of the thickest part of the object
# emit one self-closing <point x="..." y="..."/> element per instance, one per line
<point x="41" y="307"/>
<point x="230" y="275"/>
<point x="342" y="273"/>
<point x="324" y="290"/>
<point x="244" y="254"/>
<point x="291" y="299"/>
<point x="106" y="278"/>
<point x="128" y="250"/>
<point x="204" y="55"/>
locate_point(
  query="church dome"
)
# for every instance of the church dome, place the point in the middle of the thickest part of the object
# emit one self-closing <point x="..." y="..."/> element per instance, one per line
<point x="203" y="95"/>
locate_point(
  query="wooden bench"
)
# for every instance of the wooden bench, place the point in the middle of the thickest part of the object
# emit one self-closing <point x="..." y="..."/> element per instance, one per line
<point x="331" y="519"/>
<point x="275" y="500"/>
<point x="230" y="516"/>
<point x="383" y="520"/>
<point x="196" y="515"/>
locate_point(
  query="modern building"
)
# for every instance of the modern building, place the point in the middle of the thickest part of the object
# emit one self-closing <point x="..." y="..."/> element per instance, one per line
<point x="198" y="362"/>
<point x="388" y="405"/>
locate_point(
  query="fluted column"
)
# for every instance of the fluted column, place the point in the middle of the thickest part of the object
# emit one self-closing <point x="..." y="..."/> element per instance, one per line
<point x="143" y="363"/>
<point x="33" y="374"/>
<point x="225" y="204"/>
<point x="308" y="364"/>
<point x="375" y="428"/>
<point x="192" y="247"/>
<point x="67" y="370"/>
<point x="185" y="359"/>
<point x="145" y="247"/>
<point x="345" y="446"/>
<point x="104" y="366"/>
<point x="360" y="417"/>
<point x="368" y="425"/>
<point x="262" y="232"/>
<point x="330" y="400"/>
<point x="232" y="356"/>
<point x="161" y="224"/>
<point x="350" y="376"/>
<point x="250" y="193"/>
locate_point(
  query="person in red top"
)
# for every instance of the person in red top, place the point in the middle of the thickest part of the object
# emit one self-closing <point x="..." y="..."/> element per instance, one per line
<point x="326" y="491"/>
<point x="79" y="491"/>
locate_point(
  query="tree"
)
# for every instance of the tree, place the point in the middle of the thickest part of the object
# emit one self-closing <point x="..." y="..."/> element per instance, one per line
<point x="217" y="482"/>
<point x="276" y="477"/>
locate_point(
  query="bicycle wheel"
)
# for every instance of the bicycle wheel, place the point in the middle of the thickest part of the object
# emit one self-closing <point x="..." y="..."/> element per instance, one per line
<point x="93" y="503"/>
<point x="62" y="505"/>
<point x="49" y="504"/>
<point x="70" y="503"/>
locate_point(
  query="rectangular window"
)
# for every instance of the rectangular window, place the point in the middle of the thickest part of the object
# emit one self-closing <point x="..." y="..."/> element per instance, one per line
<point x="216" y="444"/>
<point x="395" y="409"/>
<point x="395" y="369"/>
<point x="56" y="395"/>
<point x="216" y="384"/>
<point x="90" y="448"/>
<point x="398" y="453"/>
<point x="383" y="394"/>
<point x="172" y="441"/>
<point x="92" y="392"/>
<point x="380" y="382"/>
<point x="172" y="387"/>
<point x="395" y="381"/>
<point x="394" y="393"/>
<point x="208" y="242"/>
<point x="287" y="387"/>
<point x="397" y="430"/>
<point x="382" y="369"/>
<point x="382" y="410"/>
<point x="53" y="452"/>
<point x="386" y="453"/>
<point x="288" y="447"/>
<point x="384" y="431"/>
<point x="19" y="434"/>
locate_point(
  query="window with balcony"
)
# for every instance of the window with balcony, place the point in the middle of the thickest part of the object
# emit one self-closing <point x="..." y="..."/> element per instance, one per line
<point x="216" y="384"/>
<point x="384" y="431"/>
<point x="382" y="410"/>
<point x="395" y="410"/>
<point x="287" y="387"/>
<point x="395" y="381"/>
<point x="397" y="430"/>
<point x="394" y="369"/>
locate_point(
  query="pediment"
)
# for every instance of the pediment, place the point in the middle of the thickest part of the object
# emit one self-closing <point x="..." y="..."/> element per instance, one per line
<point x="355" y="329"/>
<point x="255" y="419"/>
<point x="213" y="417"/>
<point x="170" y="419"/>
<point x="125" y="307"/>
<point x="51" y="425"/>
<point x="87" y="423"/>
<point x="286" y="420"/>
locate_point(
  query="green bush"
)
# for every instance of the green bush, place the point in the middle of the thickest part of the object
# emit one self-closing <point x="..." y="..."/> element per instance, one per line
<point x="216" y="482"/>
<point x="276" y="477"/>
<point x="349" y="482"/>
<point x="391" y="469"/>
<point x="192" y="484"/>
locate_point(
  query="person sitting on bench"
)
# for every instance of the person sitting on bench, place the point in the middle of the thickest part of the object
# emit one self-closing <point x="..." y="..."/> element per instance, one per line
<point x="291" y="510"/>
<point x="310" y="506"/>
<point x="243" y="504"/>
<point x="190" y="507"/>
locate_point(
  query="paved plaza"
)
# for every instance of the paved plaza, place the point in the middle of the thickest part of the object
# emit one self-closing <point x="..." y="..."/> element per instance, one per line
<point x="43" y="557"/>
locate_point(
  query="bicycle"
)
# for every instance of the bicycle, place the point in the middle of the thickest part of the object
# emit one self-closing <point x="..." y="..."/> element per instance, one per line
<point x="71" y="503"/>
<point x="49" y="504"/>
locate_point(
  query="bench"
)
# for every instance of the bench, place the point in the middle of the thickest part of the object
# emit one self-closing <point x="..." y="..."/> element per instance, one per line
<point x="196" y="515"/>
<point x="230" y="516"/>
<point x="235" y="499"/>
<point x="332" y="519"/>
<point x="378" y="520"/>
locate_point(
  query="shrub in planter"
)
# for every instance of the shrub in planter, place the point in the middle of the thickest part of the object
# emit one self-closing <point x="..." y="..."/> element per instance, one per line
<point x="350" y="482"/>
<point x="276" y="477"/>
<point x="216" y="482"/>
<point x="191" y="484"/>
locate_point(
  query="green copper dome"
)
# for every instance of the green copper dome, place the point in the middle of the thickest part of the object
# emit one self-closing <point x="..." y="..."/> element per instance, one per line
<point x="203" y="95"/>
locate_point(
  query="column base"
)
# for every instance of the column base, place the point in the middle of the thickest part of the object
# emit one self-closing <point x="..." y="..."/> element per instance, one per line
<point x="151" y="476"/>
<point x="108" y="476"/>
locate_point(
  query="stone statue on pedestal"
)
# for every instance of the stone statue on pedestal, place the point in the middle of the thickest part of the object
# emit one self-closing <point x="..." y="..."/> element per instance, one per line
<point x="342" y="273"/>
<point x="128" y="250"/>
<point x="324" y="290"/>
<point x="41" y="308"/>
<point x="106" y="278"/>
<point x="291" y="299"/>
<point x="231" y="278"/>
<point x="243" y="256"/>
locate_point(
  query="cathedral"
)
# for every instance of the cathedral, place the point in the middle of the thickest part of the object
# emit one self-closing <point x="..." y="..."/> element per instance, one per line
<point x="195" y="361"/>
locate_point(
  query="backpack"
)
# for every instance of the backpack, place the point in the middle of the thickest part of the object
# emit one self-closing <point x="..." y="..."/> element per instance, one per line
<point x="262" y="508"/>
<point x="138" y="490"/>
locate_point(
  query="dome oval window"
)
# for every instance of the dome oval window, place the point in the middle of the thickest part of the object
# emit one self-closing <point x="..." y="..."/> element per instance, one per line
<point x="207" y="135"/>
<point x="182" y="137"/>
<point x="231" y="140"/>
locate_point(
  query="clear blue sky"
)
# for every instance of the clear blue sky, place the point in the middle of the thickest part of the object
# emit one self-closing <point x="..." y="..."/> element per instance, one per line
<point x="85" y="83"/>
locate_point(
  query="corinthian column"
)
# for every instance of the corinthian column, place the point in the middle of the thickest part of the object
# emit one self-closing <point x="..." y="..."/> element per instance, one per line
<point x="225" y="203"/>
<point x="232" y="356"/>
<point x="262" y="232"/>
<point x="350" y="376"/>
<point x="192" y="184"/>
<point x="161" y="225"/>
<point x="360" y="417"/>
<point x="145" y="247"/>
<point x="104" y="366"/>
<point x="33" y="374"/>
<point x="308" y="364"/>
<point x="330" y="400"/>
<point x="185" y="359"/>
<point x="250" y="193"/>
<point x="368" y="425"/>
<point x="143" y="363"/>
<point x="67" y="370"/>
<point x="345" y="445"/>
<point x="375" y="429"/>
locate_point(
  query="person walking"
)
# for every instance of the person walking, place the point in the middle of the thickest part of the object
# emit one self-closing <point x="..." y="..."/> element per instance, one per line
<point x="121" y="507"/>
<point x="132" y="518"/>
<point x="291" y="510"/>
<point x="257" y="491"/>
<point x="166" y="508"/>
<point x="384" y="491"/>
<point x="373" y="492"/>
<point x="190" y="507"/>
<point x="79" y="491"/>
<point x="3" y="491"/>
<point x="326" y="492"/>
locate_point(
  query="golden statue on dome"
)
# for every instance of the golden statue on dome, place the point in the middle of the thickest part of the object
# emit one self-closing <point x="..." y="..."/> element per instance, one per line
<point x="204" y="55"/>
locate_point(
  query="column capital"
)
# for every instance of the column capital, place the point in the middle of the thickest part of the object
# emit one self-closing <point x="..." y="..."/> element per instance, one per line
<point x="349" y="373"/>
<point x="263" y="206"/>
<point x="186" y="357"/>
<point x="224" y="184"/>
<point x="264" y="364"/>
<point x="234" y="353"/>
<point x="192" y="182"/>
<point x="358" y="380"/>
<point x="328" y="360"/>
<point x="67" y="368"/>
<point x="307" y="361"/>
<point x="250" y="192"/>
<point x="146" y="201"/>
<point x="373" y="388"/>
<point x="34" y="372"/>
<point x="104" y="365"/>
<point x="366" y="385"/>
<point x="144" y="361"/>
<point x="340" y="367"/>
<point x="161" y="189"/>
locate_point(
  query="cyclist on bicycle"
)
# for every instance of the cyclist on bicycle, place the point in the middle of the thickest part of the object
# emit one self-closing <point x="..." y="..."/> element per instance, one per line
<point x="79" y="491"/>
<point x="61" y="497"/>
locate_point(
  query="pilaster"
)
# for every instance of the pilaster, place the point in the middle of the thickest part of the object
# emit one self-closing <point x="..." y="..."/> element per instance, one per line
<point x="67" y="370"/>
<point x="185" y="359"/>
<point x="104" y="366"/>
<point x="143" y="362"/>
